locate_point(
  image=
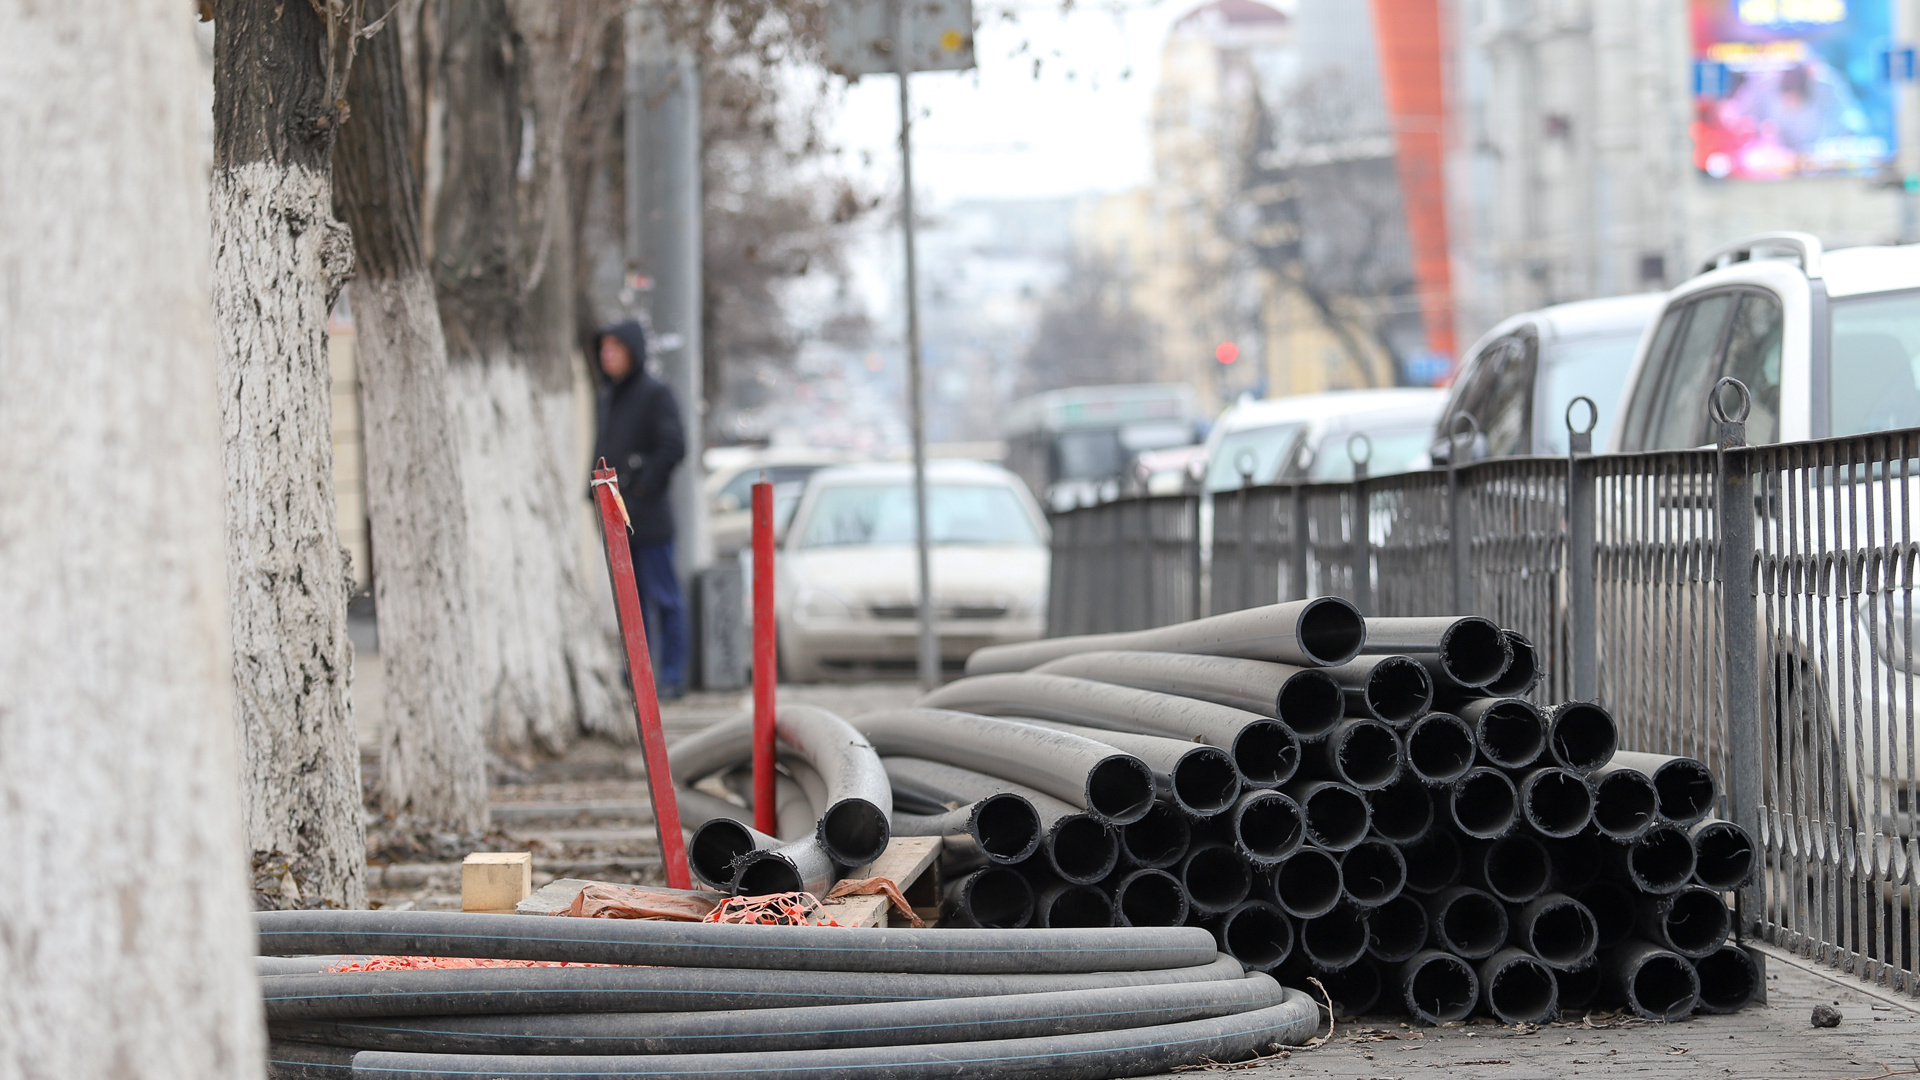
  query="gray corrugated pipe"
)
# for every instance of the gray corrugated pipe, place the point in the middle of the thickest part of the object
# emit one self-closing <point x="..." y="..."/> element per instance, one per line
<point x="1465" y="652"/>
<point x="1320" y="632"/>
<point x="1114" y="787"/>
<point x="1305" y="699"/>
<point x="1198" y="779"/>
<point x="1264" y="750"/>
<point x="1080" y="847"/>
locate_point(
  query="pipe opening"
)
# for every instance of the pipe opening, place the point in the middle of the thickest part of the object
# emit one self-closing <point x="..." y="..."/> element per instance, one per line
<point x="1696" y="922"/>
<point x="1729" y="979"/>
<point x="1120" y="789"/>
<point x="1686" y="790"/>
<point x="1662" y="860"/>
<point x="1367" y="754"/>
<point x="1372" y="873"/>
<point x="1331" y="631"/>
<point x="1399" y="690"/>
<point x="1355" y="989"/>
<point x="1483" y="803"/>
<point x="1308" y="884"/>
<point x="1723" y="855"/>
<point x="1269" y="827"/>
<point x="1583" y="736"/>
<point x="1512" y="733"/>
<point x="1562" y="933"/>
<point x="1517" y="869"/>
<point x="1337" y="816"/>
<point x="1578" y="987"/>
<point x="1522" y="991"/>
<point x="1440" y="988"/>
<point x="1663" y="987"/>
<point x="716" y="845"/>
<point x="1267" y="753"/>
<point x="1556" y="802"/>
<point x="1403" y="810"/>
<point x="1216" y="879"/>
<point x="1440" y="748"/>
<point x="1077" y="905"/>
<point x="1523" y="667"/>
<point x="1158" y="840"/>
<point x="1472" y="652"/>
<point x="1310" y="703"/>
<point x="1335" y="939"/>
<point x="766" y="873"/>
<point x="1611" y="906"/>
<point x="1082" y="849"/>
<point x="1577" y="862"/>
<point x="998" y="899"/>
<point x="1397" y="929"/>
<point x="1471" y="924"/>
<point x="1624" y="804"/>
<point x="1006" y="826"/>
<point x="854" y="831"/>
<point x="1258" y="935"/>
<point x="1205" y="782"/>
<point x="1433" y="863"/>
<point x="1150" y="898"/>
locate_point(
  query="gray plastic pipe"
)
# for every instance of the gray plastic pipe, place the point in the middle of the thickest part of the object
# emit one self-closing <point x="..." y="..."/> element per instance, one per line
<point x="1372" y="872"/>
<point x="1394" y="689"/>
<point x="1004" y="825"/>
<point x="1518" y="989"/>
<point x="1464" y="652"/>
<point x="1523" y="666"/>
<point x="1723" y="854"/>
<point x="1483" y="804"/>
<point x="1439" y="748"/>
<point x="1556" y="802"/>
<point x="1257" y="934"/>
<point x="1558" y="929"/>
<point x="1659" y="861"/>
<point x="801" y="866"/>
<point x="1656" y="983"/>
<point x="1305" y="699"/>
<point x="1685" y="785"/>
<point x="1403" y="810"/>
<point x="1321" y="632"/>
<point x="1611" y="905"/>
<point x="996" y="898"/>
<point x="1579" y="987"/>
<point x="1467" y="922"/>
<point x="1509" y="732"/>
<point x="1438" y="987"/>
<point x="1081" y="848"/>
<point x="1581" y="736"/>
<point x="1263" y="749"/>
<point x="1307" y="885"/>
<point x="1730" y="978"/>
<point x="1355" y="989"/>
<point x="1198" y="779"/>
<point x="1693" y="922"/>
<point x="1361" y="752"/>
<point x="1578" y="861"/>
<point x="1336" y="815"/>
<point x="1625" y="804"/>
<point x="1158" y="840"/>
<point x="1150" y="898"/>
<point x="1064" y="904"/>
<point x="1397" y="929"/>
<point x="1433" y="862"/>
<point x="1267" y="827"/>
<point x="1215" y="878"/>
<point x="1336" y="939"/>
<point x="1515" y="868"/>
<point x="793" y="811"/>
<point x="720" y="846"/>
<point x="1114" y="787"/>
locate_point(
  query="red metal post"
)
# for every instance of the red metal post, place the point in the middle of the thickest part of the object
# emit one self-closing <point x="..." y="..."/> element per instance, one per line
<point x="614" y="524"/>
<point x="765" y="663"/>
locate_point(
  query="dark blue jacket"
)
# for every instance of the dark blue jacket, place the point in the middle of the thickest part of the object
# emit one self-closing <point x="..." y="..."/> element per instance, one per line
<point x="640" y="434"/>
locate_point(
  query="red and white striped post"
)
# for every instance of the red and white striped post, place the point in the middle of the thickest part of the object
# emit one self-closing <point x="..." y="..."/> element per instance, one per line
<point x="765" y="662"/>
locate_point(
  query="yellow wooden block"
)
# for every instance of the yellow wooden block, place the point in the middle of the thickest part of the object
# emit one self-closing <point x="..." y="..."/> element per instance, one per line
<point x="495" y="880"/>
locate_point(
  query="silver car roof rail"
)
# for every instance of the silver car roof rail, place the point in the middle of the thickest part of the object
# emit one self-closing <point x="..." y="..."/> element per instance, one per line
<point x="1804" y="245"/>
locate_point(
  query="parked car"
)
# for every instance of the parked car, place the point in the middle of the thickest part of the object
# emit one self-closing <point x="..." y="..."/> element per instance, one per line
<point x="729" y="488"/>
<point x="846" y="595"/>
<point x="1305" y="437"/>
<point x="1518" y="379"/>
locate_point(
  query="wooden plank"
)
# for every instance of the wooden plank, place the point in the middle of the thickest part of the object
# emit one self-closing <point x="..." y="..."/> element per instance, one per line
<point x="495" y="880"/>
<point x="906" y="858"/>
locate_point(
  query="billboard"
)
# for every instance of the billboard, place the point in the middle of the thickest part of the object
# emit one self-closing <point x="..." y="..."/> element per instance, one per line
<point x="1786" y="88"/>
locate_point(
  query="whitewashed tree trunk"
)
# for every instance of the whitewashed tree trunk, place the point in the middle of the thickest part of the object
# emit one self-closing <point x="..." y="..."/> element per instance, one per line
<point x="125" y="939"/>
<point x="279" y="259"/>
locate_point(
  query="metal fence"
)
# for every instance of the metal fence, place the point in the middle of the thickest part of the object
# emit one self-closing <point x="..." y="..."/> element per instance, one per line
<point x="1773" y="641"/>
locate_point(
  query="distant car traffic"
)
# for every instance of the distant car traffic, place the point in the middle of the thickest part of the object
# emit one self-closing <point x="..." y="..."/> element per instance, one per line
<point x="847" y="594"/>
<point x="1306" y="436"/>
<point x="1075" y="446"/>
<point x="729" y="488"/>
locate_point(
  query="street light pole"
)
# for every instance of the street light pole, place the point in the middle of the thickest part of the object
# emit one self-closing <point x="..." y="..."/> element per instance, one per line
<point x="929" y="642"/>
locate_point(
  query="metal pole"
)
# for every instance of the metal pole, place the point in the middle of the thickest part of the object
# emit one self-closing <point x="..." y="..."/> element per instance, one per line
<point x="1739" y="614"/>
<point x="929" y="642"/>
<point x="765" y="661"/>
<point x="1360" y="523"/>
<point x="1582" y="616"/>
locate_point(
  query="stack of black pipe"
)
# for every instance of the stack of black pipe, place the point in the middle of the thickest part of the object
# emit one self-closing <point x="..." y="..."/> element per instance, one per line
<point x="1373" y="803"/>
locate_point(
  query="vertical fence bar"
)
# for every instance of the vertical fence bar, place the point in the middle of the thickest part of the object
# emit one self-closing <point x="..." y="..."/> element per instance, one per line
<point x="1297" y="551"/>
<point x="1582" y="628"/>
<point x="1460" y="541"/>
<point x="1358" y="521"/>
<point x="1738" y="589"/>
<point x="1197" y="597"/>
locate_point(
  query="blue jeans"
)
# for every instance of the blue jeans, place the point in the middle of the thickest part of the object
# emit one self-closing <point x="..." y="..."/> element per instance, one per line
<point x="665" y="612"/>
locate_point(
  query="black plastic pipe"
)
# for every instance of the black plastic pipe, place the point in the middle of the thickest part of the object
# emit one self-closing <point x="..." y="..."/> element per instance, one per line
<point x="1625" y="805"/>
<point x="1403" y="810"/>
<point x="1433" y="862"/>
<point x="1257" y="934"/>
<point x="1336" y="939"/>
<point x="1215" y="877"/>
<point x="1372" y="872"/>
<point x="1523" y="666"/>
<point x="1515" y="868"/>
<point x="1393" y="689"/>
<point x="1397" y="929"/>
<point x="1611" y="905"/>
<point x="1004" y="825"/>
<point x="995" y="898"/>
<point x="1466" y="922"/>
<point x="1558" y="929"/>
<point x="1556" y="802"/>
<point x="1307" y="885"/>
<point x="1158" y="840"/>
<point x="1355" y="989"/>
<point x="1730" y="978"/>
<point x="1360" y="752"/>
<point x="1064" y="904"/>
<point x="1264" y="751"/>
<point x="1518" y="989"/>
<point x="1321" y="632"/>
<point x="1466" y="652"/>
<point x="1685" y="785"/>
<point x="1578" y="861"/>
<point x="1693" y="922"/>
<point x="1509" y="732"/>
<point x="1150" y="898"/>
<point x="1113" y="787"/>
<point x="719" y="846"/>
<point x="1578" y="987"/>
<point x="1483" y="804"/>
<point x="1081" y="848"/>
<point x="1655" y="983"/>
<point x="1198" y="779"/>
<point x="1660" y="861"/>
<point x="1337" y="816"/>
<point x="1440" y="748"/>
<point x="854" y="824"/>
<point x="1267" y="827"/>
<point x="802" y="866"/>
<point x="1723" y="854"/>
<point x="1438" y="987"/>
<point x="1303" y="698"/>
<point x="1581" y="736"/>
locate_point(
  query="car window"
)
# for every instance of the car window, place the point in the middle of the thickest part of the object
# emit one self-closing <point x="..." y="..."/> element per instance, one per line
<point x="1508" y="409"/>
<point x="1478" y="381"/>
<point x="846" y="515"/>
<point x="1679" y="416"/>
<point x="1266" y="449"/>
<point x="741" y="486"/>
<point x="1590" y="367"/>
<point x="1639" y="415"/>
<point x="1088" y="455"/>
<point x="1394" y="451"/>
<point x="1753" y="357"/>
<point x="1872" y="382"/>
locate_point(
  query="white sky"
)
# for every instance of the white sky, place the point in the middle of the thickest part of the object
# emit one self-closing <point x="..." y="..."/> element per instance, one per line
<point x="1000" y="132"/>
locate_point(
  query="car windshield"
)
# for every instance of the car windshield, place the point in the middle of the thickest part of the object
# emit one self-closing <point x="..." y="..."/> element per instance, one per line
<point x="740" y="488"/>
<point x="846" y="515"/>
<point x="1873" y="384"/>
<point x="1394" y="451"/>
<point x="1590" y="367"/>
<point x="1088" y="455"/>
<point x="1261" y="450"/>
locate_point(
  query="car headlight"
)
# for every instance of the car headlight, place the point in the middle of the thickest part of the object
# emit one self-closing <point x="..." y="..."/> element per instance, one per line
<point x="1887" y="622"/>
<point x="819" y="603"/>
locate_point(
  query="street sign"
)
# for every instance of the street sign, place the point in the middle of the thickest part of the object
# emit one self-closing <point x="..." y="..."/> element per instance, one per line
<point x="860" y="36"/>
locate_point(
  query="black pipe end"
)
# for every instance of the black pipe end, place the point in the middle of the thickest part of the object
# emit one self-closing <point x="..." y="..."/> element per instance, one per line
<point x="1216" y="878"/>
<point x="1438" y="987"/>
<point x="1611" y="905"/>
<point x="1372" y="872"/>
<point x="1657" y="984"/>
<point x="1006" y="826"/>
<point x="1578" y="861"/>
<point x="1331" y="631"/>
<point x="764" y="873"/>
<point x="1468" y="922"/>
<point x="1556" y="802"/>
<point x="1523" y="666"/>
<point x="1724" y="855"/>
<point x="1310" y="703"/>
<point x="1267" y="752"/>
<point x="1578" y="986"/>
<point x="1433" y="862"/>
<point x="1694" y="921"/>
<point x="1625" y="804"/>
<point x="1257" y="934"/>
<point x="1267" y="827"/>
<point x="1397" y="929"/>
<point x="1307" y="885"/>
<point x="1484" y="803"/>
<point x="1205" y="781"/>
<point x="1511" y="733"/>
<point x="1355" y="989"/>
<point x="1440" y="748"/>
<point x="1730" y="978"/>
<point x="1519" y="989"/>
<point x="1119" y="789"/>
<point x="1337" y="816"/>
<point x="1473" y="652"/>
<point x="1661" y="860"/>
<point x="1075" y="906"/>
<point x="715" y="849"/>
<point x="996" y="898"/>
<point x="1403" y="810"/>
<point x="855" y="832"/>
<point x="1398" y="690"/>
<point x="1150" y="898"/>
<point x="1687" y="790"/>
<point x="1364" y="753"/>
<point x="1084" y="850"/>
<point x="1516" y="868"/>
<point x="1335" y="939"/>
<point x="1559" y="930"/>
<point x="1582" y="736"/>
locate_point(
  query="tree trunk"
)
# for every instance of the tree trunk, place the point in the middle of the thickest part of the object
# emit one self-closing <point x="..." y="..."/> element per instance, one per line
<point x="279" y="259"/>
<point x="503" y="267"/>
<point x="127" y="947"/>
<point x="433" y="764"/>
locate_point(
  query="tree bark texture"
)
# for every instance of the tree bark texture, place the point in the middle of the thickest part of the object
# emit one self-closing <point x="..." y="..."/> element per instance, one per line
<point x="125" y="937"/>
<point x="279" y="259"/>
<point x="433" y="763"/>
<point x="503" y="267"/>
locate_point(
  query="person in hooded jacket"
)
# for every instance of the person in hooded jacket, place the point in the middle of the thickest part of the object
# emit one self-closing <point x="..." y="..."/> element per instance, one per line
<point x="642" y="437"/>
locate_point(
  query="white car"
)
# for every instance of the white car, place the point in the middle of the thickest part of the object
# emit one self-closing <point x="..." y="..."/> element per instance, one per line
<point x="846" y="592"/>
<point x="729" y="488"/>
<point x="1306" y="436"/>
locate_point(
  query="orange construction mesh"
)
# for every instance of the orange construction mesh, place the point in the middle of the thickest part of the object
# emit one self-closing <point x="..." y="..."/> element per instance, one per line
<point x="774" y="909"/>
<point x="446" y="963"/>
